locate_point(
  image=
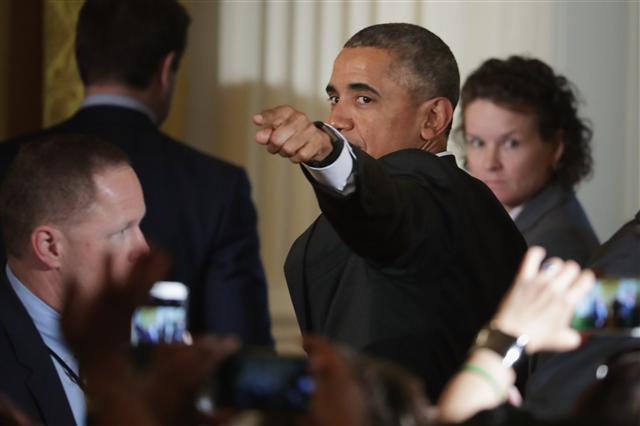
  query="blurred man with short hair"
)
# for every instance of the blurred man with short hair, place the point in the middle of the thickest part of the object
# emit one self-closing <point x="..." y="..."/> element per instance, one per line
<point x="71" y="208"/>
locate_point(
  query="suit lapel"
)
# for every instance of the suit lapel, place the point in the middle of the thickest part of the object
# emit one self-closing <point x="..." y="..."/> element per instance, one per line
<point x="535" y="209"/>
<point x="40" y="375"/>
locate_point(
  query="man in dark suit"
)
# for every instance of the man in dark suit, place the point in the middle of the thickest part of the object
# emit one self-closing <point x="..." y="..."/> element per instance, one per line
<point x="554" y="390"/>
<point x="410" y="255"/>
<point x="199" y="208"/>
<point x="71" y="207"/>
<point x="620" y="255"/>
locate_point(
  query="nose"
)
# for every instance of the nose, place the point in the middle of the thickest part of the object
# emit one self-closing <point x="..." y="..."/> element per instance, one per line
<point x="340" y="118"/>
<point x="140" y="246"/>
<point x="491" y="158"/>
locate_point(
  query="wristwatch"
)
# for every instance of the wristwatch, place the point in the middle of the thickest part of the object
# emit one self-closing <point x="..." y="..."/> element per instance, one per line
<point x="337" y="141"/>
<point x="510" y="348"/>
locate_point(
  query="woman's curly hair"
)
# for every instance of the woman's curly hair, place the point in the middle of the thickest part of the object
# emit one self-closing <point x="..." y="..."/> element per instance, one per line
<point x="528" y="85"/>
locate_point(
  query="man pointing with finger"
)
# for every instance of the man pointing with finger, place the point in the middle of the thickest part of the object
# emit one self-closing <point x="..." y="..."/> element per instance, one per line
<point x="410" y="255"/>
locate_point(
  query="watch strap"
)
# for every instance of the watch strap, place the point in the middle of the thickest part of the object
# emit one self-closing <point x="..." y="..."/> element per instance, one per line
<point x="509" y="348"/>
<point x="337" y="141"/>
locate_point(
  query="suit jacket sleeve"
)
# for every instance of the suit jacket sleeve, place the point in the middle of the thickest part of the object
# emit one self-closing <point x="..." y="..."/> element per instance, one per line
<point x="391" y="214"/>
<point x="235" y="274"/>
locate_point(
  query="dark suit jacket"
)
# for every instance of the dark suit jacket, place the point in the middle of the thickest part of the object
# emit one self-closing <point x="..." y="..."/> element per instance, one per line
<point x="620" y="255"/>
<point x="27" y="374"/>
<point x="409" y="266"/>
<point x="199" y="210"/>
<point x="560" y="379"/>
<point x="555" y="220"/>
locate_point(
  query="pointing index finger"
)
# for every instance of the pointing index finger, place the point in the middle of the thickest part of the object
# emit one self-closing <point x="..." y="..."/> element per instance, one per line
<point x="257" y="119"/>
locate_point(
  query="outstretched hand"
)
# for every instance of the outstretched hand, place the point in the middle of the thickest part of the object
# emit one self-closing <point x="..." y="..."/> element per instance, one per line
<point x="290" y="134"/>
<point x="542" y="301"/>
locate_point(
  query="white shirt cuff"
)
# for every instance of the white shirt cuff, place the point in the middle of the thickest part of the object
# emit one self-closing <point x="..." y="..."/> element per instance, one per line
<point x="339" y="174"/>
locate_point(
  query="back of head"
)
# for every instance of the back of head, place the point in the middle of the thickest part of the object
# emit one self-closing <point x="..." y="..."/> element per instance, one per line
<point x="393" y="396"/>
<point x="529" y="86"/>
<point x="49" y="182"/>
<point x="432" y="68"/>
<point x="124" y="41"/>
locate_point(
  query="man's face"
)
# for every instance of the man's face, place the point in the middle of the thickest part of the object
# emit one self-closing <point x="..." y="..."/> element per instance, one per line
<point x="368" y="104"/>
<point x="105" y="239"/>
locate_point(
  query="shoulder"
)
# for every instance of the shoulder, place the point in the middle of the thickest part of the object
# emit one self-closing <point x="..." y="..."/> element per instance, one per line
<point x="427" y="168"/>
<point x="556" y="208"/>
<point x="182" y="163"/>
<point x="620" y="255"/>
<point x="557" y="222"/>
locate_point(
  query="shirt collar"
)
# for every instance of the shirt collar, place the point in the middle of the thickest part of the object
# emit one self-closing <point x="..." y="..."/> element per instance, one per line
<point x="444" y="153"/>
<point x="514" y="212"/>
<point x="118" y="100"/>
<point x="45" y="318"/>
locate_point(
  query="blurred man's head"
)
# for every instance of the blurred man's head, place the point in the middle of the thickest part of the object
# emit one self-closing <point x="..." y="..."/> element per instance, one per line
<point x="394" y="86"/>
<point x="135" y="44"/>
<point x="70" y="208"/>
<point x="354" y="389"/>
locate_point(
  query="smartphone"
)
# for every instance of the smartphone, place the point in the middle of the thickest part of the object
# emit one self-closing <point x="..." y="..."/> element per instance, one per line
<point x="612" y="306"/>
<point x="163" y="319"/>
<point x="264" y="381"/>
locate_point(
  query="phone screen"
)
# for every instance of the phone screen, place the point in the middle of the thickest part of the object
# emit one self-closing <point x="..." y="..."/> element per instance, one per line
<point x="265" y="382"/>
<point x="158" y="324"/>
<point x="612" y="306"/>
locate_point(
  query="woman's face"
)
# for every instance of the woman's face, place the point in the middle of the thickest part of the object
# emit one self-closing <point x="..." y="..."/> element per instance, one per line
<point x="505" y="150"/>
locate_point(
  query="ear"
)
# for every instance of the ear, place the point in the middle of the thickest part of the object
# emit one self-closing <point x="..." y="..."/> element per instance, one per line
<point x="437" y="115"/>
<point x="558" y="141"/>
<point x="166" y="72"/>
<point x="47" y="244"/>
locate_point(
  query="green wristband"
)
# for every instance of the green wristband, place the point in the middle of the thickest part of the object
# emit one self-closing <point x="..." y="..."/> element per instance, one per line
<point x="488" y="378"/>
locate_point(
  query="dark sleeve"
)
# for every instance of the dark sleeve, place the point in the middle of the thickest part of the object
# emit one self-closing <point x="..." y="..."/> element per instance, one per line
<point x="508" y="415"/>
<point x="235" y="285"/>
<point x="389" y="215"/>
<point x="620" y="255"/>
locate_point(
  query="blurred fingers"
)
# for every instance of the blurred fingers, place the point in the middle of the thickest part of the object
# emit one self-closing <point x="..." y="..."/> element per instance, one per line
<point x="581" y="286"/>
<point x="531" y="263"/>
<point x="273" y="117"/>
<point x="564" y="276"/>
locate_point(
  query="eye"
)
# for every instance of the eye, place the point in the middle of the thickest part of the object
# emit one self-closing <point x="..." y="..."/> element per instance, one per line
<point x="120" y="233"/>
<point x="511" y="143"/>
<point x="333" y="99"/>
<point x="475" y="142"/>
<point x="364" y="100"/>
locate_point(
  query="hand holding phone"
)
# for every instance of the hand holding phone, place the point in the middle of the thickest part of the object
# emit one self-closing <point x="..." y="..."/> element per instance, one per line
<point x="264" y="381"/>
<point x="164" y="318"/>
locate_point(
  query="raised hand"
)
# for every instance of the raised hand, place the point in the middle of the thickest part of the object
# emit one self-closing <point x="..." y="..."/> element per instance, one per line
<point x="542" y="300"/>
